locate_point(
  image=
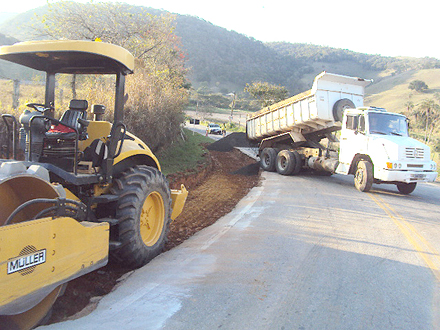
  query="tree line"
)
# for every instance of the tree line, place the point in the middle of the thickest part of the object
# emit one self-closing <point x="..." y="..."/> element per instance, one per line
<point x="226" y="61"/>
<point x="157" y="91"/>
<point x="171" y="49"/>
<point x="426" y="114"/>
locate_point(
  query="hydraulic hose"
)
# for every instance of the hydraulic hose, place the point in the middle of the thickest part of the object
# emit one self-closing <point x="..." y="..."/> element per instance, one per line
<point x="57" y="201"/>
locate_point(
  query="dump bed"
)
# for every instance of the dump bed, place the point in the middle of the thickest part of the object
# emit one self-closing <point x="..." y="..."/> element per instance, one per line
<point x="312" y="111"/>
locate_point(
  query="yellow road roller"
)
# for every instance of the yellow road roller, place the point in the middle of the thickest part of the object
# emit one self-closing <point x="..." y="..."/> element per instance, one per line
<point x="74" y="190"/>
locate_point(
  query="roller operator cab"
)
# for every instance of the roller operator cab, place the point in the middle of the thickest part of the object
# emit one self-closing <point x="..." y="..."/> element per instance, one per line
<point x="375" y="147"/>
<point x="76" y="189"/>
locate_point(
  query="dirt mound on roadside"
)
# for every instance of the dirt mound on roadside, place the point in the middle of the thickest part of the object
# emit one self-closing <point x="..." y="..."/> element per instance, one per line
<point x="248" y="170"/>
<point x="230" y="141"/>
<point x="214" y="191"/>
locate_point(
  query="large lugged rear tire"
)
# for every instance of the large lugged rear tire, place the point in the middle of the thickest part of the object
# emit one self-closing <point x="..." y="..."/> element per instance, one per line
<point x="143" y="210"/>
<point x="363" y="178"/>
<point x="285" y="163"/>
<point x="268" y="158"/>
<point x="298" y="162"/>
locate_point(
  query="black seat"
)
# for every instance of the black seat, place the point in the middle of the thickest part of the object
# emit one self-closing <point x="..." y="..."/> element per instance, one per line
<point x="61" y="141"/>
<point x="74" y="117"/>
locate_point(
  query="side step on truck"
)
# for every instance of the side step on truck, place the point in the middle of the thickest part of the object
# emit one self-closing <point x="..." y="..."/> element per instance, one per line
<point x="374" y="144"/>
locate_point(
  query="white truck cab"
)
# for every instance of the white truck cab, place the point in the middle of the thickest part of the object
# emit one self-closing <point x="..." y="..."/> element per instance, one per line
<point x="375" y="147"/>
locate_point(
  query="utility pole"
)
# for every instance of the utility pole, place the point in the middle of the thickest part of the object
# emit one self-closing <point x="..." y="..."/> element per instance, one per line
<point x="16" y="94"/>
<point x="232" y="105"/>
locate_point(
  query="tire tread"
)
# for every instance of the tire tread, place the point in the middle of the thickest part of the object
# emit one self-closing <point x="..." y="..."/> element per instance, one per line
<point x="132" y="187"/>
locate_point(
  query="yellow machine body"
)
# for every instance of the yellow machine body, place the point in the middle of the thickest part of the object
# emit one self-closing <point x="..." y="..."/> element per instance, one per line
<point x="134" y="148"/>
<point x="95" y="130"/>
<point x="131" y="147"/>
<point x="178" y="201"/>
<point x="37" y="256"/>
<point x="38" y="253"/>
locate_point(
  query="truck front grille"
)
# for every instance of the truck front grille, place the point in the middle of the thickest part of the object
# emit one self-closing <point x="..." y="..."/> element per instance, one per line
<point x="414" y="153"/>
<point x="415" y="165"/>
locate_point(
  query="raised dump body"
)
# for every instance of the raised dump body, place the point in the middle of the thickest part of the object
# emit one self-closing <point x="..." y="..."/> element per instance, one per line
<point x="316" y="110"/>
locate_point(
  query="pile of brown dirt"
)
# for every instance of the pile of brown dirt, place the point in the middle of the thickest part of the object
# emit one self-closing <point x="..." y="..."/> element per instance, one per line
<point x="216" y="196"/>
<point x="249" y="170"/>
<point x="225" y="181"/>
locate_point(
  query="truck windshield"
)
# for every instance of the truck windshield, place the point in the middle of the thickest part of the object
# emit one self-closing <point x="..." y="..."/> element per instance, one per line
<point x="387" y="124"/>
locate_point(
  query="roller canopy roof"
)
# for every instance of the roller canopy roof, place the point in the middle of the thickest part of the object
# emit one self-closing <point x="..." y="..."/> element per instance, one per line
<point x="67" y="56"/>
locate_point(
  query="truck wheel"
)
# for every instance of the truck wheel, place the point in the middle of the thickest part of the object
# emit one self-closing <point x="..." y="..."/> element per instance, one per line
<point x="143" y="210"/>
<point x="406" y="188"/>
<point x="268" y="159"/>
<point x="340" y="106"/>
<point x="286" y="162"/>
<point x="363" y="178"/>
<point x="298" y="163"/>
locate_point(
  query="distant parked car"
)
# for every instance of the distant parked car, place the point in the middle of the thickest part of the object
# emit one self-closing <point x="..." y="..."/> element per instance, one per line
<point x="214" y="129"/>
<point x="194" y="121"/>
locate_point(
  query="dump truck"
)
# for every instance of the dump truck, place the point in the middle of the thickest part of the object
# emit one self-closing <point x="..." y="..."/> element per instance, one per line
<point x="374" y="144"/>
<point x="77" y="190"/>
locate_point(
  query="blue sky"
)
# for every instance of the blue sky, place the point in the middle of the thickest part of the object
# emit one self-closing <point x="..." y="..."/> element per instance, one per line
<point x="385" y="27"/>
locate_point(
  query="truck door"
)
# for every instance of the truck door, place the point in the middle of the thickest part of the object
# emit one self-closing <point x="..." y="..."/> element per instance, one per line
<point x="353" y="139"/>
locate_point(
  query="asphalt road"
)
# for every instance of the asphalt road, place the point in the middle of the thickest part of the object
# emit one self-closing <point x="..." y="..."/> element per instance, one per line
<point x="201" y="129"/>
<point x="300" y="252"/>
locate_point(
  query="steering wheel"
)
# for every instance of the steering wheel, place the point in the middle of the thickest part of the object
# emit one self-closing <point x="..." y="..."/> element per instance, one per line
<point x="39" y="107"/>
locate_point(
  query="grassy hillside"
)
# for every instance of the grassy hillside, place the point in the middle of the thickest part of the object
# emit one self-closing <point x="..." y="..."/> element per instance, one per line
<point x="10" y="70"/>
<point x="225" y="61"/>
<point x="392" y="93"/>
<point x="346" y="62"/>
<point x="184" y="154"/>
<point x="345" y="67"/>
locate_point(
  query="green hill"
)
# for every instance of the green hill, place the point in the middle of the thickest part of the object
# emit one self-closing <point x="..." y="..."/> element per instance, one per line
<point x="228" y="60"/>
<point x="10" y="70"/>
<point x="393" y="93"/>
<point x="225" y="61"/>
